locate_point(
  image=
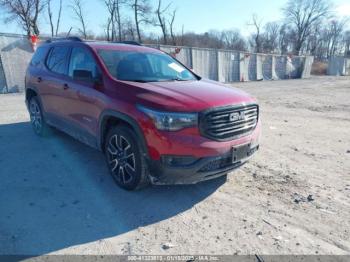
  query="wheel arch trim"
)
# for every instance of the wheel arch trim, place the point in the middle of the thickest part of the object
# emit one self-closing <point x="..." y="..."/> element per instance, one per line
<point x="106" y="114"/>
<point x="36" y="91"/>
<point x="30" y="89"/>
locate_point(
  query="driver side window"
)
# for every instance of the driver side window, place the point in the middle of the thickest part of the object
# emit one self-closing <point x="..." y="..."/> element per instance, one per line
<point x="81" y="59"/>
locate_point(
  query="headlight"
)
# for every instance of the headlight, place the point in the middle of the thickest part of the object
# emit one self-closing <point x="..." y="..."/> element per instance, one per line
<point x="170" y="121"/>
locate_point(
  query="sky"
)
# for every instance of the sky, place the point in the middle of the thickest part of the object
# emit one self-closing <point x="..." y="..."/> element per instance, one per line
<point x="196" y="15"/>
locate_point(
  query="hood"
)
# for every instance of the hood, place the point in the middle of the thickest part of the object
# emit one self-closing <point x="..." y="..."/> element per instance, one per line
<point x="190" y="96"/>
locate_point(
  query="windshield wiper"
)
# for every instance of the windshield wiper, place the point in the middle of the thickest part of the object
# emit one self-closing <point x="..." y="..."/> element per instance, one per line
<point x="154" y="80"/>
<point x="135" y="80"/>
<point x="175" y="79"/>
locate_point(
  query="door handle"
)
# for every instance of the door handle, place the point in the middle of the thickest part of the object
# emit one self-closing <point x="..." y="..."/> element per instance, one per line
<point x="39" y="79"/>
<point x="65" y="86"/>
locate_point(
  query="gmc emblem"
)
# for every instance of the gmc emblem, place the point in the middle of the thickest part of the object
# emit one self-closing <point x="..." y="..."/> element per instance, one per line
<point x="235" y="116"/>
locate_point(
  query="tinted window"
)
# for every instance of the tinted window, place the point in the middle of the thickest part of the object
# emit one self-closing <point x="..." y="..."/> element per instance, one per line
<point x="144" y="67"/>
<point x="57" y="60"/>
<point x="39" y="56"/>
<point x="81" y="59"/>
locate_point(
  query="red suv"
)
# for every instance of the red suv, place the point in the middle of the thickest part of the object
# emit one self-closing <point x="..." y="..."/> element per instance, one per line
<point x="155" y="120"/>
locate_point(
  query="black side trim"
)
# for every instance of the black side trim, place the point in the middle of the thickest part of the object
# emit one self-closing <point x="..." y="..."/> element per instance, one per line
<point x="35" y="90"/>
<point x="71" y="129"/>
<point x="118" y="115"/>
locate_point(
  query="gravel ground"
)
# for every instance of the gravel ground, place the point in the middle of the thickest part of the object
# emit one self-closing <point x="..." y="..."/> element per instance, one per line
<point x="293" y="197"/>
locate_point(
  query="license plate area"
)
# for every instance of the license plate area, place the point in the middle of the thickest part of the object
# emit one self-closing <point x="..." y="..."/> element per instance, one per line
<point x="240" y="152"/>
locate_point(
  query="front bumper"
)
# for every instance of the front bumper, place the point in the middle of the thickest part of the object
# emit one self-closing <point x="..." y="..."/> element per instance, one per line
<point x="199" y="170"/>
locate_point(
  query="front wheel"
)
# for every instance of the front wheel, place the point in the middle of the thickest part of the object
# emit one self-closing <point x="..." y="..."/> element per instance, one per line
<point x="124" y="158"/>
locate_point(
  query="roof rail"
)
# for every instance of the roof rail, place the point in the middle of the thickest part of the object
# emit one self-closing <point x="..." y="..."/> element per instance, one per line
<point x="70" y="38"/>
<point x="129" y="43"/>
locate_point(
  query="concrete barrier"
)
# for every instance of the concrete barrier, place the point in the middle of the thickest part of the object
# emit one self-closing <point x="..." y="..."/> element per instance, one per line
<point x="338" y="66"/>
<point x="3" y="84"/>
<point x="228" y="66"/>
<point x="231" y="66"/>
<point x="221" y="65"/>
<point x="15" y="54"/>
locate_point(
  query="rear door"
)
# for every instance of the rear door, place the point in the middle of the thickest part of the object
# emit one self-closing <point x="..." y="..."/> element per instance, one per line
<point x="53" y="84"/>
<point x="36" y="70"/>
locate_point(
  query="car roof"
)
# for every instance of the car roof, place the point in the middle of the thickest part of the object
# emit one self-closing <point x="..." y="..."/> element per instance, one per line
<point x="120" y="46"/>
<point x="129" y="46"/>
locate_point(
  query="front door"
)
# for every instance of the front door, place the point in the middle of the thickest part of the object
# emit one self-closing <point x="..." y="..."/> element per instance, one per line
<point x="85" y="105"/>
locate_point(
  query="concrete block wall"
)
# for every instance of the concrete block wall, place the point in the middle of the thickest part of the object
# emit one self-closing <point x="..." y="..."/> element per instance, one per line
<point x="308" y="65"/>
<point x="253" y="67"/>
<point x="338" y="66"/>
<point x="228" y="65"/>
<point x="205" y="62"/>
<point x="231" y="66"/>
<point x="15" y="54"/>
<point x="220" y="65"/>
<point x="235" y="66"/>
<point x="3" y="84"/>
<point x="280" y="67"/>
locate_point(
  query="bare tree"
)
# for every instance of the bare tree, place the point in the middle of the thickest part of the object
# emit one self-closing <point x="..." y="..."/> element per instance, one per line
<point x="49" y="12"/>
<point x="77" y="7"/>
<point x="25" y="12"/>
<point x="129" y="30"/>
<point x="142" y="10"/>
<point x="257" y="35"/>
<point x="286" y="36"/>
<point x="107" y="29"/>
<point x="182" y="34"/>
<point x="114" y="20"/>
<point x="111" y="8"/>
<point x="211" y="39"/>
<point x="59" y="17"/>
<point x="327" y="40"/>
<point x="171" y="26"/>
<point x="336" y="31"/>
<point x="233" y="40"/>
<point x="302" y="15"/>
<point x="270" y="37"/>
<point x="54" y="32"/>
<point x="119" y="4"/>
<point x="162" y="23"/>
<point x="315" y="43"/>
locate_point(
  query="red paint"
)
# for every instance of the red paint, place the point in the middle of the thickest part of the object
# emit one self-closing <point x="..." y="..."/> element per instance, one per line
<point x="87" y="101"/>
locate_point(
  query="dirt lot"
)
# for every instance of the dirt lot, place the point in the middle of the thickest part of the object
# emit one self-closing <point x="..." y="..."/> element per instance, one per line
<point x="56" y="195"/>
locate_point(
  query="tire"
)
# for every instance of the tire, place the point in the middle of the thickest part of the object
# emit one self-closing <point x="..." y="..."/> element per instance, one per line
<point x="36" y="118"/>
<point x="124" y="158"/>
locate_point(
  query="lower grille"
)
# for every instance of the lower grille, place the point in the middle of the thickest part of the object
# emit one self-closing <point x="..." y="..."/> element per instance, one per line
<point x="220" y="163"/>
<point x="227" y="123"/>
<point x="216" y="164"/>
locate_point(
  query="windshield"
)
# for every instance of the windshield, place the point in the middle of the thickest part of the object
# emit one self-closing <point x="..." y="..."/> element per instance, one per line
<point x="144" y="67"/>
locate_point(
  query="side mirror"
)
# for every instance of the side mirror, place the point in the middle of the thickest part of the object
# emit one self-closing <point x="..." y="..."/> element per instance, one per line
<point x="83" y="75"/>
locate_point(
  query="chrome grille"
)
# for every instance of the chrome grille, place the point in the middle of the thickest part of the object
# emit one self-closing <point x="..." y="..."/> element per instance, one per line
<point x="227" y="123"/>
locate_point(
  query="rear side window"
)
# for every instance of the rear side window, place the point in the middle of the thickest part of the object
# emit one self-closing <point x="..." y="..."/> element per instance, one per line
<point x="57" y="60"/>
<point x="39" y="56"/>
